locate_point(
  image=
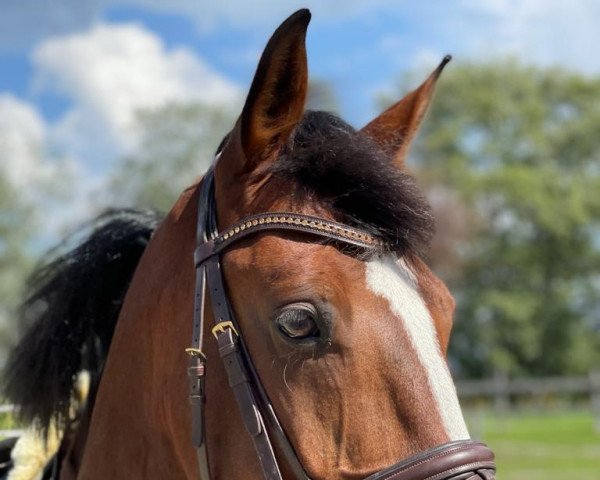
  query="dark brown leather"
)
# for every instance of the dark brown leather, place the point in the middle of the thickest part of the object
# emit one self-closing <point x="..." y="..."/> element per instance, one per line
<point x="462" y="460"/>
<point x="282" y="221"/>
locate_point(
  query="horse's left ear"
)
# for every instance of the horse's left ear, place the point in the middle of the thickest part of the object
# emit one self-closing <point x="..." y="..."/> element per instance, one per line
<point x="395" y="128"/>
<point x="275" y="102"/>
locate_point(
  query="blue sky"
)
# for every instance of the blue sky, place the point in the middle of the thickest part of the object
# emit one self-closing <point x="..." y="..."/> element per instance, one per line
<point x="73" y="72"/>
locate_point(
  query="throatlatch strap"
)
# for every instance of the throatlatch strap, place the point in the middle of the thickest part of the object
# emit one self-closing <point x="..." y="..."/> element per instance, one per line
<point x="197" y="362"/>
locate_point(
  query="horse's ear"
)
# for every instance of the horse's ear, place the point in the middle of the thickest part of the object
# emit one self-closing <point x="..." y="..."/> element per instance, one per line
<point x="394" y="129"/>
<point x="276" y="99"/>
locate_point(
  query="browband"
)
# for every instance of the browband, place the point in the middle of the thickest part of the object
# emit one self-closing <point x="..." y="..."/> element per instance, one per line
<point x="252" y="224"/>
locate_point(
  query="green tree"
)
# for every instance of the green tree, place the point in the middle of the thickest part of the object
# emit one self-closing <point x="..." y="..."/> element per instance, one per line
<point x="518" y="149"/>
<point x="177" y="143"/>
<point x="15" y="232"/>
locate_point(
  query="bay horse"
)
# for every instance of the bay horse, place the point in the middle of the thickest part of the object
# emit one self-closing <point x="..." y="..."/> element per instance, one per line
<point x="308" y="237"/>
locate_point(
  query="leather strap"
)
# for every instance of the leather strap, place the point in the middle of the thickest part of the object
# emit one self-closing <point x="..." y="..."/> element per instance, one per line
<point x="226" y="333"/>
<point x="461" y="460"/>
<point x="197" y="361"/>
<point x="206" y="227"/>
<point x="282" y="221"/>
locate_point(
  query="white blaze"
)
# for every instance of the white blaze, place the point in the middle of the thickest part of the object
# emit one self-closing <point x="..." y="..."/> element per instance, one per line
<point x="393" y="281"/>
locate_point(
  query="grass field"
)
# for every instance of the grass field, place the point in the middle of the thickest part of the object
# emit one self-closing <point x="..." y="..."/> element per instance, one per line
<point x="7" y="421"/>
<point x="549" y="446"/>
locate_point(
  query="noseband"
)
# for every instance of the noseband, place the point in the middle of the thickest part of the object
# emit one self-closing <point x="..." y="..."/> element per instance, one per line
<point x="461" y="460"/>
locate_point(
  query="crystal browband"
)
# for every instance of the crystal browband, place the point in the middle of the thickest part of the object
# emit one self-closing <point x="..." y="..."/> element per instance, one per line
<point x="287" y="221"/>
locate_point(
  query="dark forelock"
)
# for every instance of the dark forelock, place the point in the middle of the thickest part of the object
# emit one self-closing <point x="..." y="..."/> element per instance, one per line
<point x="346" y="171"/>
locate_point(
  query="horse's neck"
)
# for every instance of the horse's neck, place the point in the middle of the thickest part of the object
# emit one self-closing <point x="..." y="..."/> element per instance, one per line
<point x="139" y="425"/>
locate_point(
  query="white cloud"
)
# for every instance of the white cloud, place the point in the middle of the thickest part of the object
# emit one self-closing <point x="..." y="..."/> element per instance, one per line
<point x="22" y="142"/>
<point x="107" y="73"/>
<point x="27" y="163"/>
<point x="548" y="32"/>
<point x="112" y="71"/>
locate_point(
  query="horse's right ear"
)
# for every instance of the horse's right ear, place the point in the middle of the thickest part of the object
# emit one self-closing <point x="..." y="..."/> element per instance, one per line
<point x="275" y="102"/>
<point x="395" y="128"/>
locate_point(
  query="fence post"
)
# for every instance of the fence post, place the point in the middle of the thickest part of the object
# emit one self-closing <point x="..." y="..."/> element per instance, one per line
<point x="594" y="377"/>
<point x="501" y="394"/>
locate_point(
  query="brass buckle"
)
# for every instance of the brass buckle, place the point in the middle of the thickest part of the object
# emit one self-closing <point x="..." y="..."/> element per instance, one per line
<point x="221" y="326"/>
<point x="195" y="352"/>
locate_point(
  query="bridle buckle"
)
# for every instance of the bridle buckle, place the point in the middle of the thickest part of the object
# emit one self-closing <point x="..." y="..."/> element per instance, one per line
<point x="195" y="352"/>
<point x="221" y="326"/>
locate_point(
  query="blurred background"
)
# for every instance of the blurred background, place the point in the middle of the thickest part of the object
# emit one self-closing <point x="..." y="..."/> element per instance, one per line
<point x="122" y="103"/>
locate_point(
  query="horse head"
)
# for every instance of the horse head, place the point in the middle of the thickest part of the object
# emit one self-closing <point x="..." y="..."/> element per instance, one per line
<point x="350" y="348"/>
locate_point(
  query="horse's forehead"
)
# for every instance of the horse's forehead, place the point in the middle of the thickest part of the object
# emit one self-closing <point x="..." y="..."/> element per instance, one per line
<point x="286" y="256"/>
<point x="292" y="254"/>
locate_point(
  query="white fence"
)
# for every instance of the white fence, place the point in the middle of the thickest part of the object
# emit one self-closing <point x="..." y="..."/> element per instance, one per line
<point x="500" y="388"/>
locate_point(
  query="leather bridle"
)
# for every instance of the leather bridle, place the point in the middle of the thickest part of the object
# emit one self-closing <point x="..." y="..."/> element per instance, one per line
<point x="461" y="460"/>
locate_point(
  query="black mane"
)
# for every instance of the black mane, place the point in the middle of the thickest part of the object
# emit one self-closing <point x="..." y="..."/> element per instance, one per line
<point x="353" y="177"/>
<point x="70" y="313"/>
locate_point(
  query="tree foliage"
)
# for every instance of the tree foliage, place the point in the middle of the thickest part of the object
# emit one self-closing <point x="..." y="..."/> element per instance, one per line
<point x="16" y="229"/>
<point x="177" y="144"/>
<point x="518" y="150"/>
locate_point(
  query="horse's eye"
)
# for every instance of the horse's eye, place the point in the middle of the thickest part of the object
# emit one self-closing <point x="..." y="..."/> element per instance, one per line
<point x="298" y="321"/>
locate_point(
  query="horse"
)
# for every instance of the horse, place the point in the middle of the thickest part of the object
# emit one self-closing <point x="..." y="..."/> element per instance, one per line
<point x="305" y="242"/>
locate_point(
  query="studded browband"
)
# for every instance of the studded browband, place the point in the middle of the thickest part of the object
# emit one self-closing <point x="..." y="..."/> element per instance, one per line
<point x="462" y="460"/>
<point x="330" y="230"/>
